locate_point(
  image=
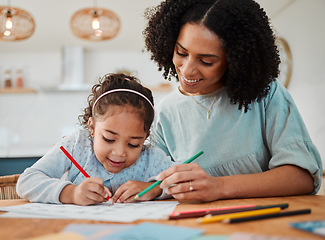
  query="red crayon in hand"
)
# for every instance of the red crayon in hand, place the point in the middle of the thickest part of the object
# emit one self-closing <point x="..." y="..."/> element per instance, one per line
<point x="76" y="164"/>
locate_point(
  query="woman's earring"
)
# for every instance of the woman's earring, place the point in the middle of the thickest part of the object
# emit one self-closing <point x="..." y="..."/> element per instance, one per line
<point x="169" y="78"/>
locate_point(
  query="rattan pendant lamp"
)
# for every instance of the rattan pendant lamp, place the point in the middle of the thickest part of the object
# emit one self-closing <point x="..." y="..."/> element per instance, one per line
<point x="95" y="24"/>
<point x="15" y="23"/>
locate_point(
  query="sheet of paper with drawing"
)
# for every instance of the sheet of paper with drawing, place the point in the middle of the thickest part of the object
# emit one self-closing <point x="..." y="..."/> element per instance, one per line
<point x="119" y="212"/>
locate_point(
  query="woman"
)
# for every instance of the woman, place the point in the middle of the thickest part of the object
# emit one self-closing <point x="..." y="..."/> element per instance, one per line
<point x="228" y="104"/>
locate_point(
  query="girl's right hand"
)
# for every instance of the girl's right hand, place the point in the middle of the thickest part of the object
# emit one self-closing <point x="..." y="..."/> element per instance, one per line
<point x="90" y="191"/>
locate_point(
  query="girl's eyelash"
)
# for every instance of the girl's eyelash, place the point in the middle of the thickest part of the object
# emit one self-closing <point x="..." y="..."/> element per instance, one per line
<point x="108" y="140"/>
<point x="130" y="145"/>
<point x="134" y="146"/>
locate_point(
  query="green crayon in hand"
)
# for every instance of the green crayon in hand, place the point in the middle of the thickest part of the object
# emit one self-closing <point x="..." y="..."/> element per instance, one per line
<point x="140" y="194"/>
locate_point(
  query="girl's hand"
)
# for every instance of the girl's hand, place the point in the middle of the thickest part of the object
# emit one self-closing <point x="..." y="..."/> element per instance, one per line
<point x="189" y="182"/>
<point x="126" y="192"/>
<point x="90" y="191"/>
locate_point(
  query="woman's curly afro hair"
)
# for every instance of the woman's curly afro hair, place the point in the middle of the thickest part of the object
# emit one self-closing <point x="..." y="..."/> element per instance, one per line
<point x="244" y="28"/>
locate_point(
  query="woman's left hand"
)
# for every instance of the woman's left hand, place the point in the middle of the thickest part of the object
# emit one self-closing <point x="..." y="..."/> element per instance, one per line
<point x="127" y="192"/>
<point x="189" y="182"/>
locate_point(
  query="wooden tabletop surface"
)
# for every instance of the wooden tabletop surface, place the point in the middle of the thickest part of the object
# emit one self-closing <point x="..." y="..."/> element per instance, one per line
<point x="19" y="228"/>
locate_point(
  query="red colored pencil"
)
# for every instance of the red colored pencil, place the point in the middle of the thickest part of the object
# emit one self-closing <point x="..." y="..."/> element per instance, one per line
<point x="76" y="164"/>
<point x="202" y="212"/>
<point x="219" y="211"/>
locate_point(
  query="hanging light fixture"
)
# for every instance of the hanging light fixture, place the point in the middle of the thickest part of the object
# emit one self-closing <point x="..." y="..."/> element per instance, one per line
<point x="15" y="23"/>
<point x="95" y="24"/>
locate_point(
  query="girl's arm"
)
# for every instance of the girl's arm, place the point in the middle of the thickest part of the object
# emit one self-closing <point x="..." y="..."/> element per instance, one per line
<point x="44" y="181"/>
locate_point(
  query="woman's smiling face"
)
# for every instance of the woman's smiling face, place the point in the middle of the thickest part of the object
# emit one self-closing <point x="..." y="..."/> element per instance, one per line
<point x="199" y="59"/>
<point x="118" y="138"/>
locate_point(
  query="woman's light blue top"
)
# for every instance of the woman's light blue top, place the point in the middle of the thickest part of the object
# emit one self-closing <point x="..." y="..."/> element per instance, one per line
<point x="272" y="133"/>
<point x="44" y="181"/>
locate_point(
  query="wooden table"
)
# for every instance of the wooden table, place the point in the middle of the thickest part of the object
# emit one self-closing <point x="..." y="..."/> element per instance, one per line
<point x="16" y="228"/>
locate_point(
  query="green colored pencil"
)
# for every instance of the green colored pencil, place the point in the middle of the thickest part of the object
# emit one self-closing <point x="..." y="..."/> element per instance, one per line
<point x="140" y="194"/>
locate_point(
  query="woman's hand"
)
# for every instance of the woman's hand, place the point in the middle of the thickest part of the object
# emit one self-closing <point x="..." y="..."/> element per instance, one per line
<point x="130" y="189"/>
<point x="90" y="191"/>
<point x="189" y="182"/>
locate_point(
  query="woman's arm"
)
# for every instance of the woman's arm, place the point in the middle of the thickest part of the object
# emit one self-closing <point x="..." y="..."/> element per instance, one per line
<point x="282" y="181"/>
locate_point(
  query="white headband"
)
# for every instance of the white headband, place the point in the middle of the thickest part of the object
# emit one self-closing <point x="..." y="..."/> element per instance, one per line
<point x="120" y="90"/>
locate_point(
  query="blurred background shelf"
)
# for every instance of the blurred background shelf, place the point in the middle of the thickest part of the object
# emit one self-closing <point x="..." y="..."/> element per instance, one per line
<point x="16" y="90"/>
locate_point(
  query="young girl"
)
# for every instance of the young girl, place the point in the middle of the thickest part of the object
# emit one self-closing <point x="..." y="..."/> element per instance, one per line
<point x="110" y="148"/>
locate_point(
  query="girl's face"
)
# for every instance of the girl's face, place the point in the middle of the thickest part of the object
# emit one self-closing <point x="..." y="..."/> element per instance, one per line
<point x="199" y="59"/>
<point x="118" y="138"/>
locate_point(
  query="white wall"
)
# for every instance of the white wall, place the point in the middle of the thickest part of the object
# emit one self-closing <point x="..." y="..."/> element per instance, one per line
<point x="24" y="117"/>
<point x="31" y="123"/>
<point x="43" y="69"/>
<point x="302" y="25"/>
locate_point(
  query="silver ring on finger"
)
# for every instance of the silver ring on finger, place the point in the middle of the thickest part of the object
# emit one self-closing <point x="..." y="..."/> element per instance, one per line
<point x="191" y="187"/>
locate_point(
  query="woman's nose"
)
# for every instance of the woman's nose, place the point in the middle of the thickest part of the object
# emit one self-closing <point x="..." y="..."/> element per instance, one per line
<point x="188" y="67"/>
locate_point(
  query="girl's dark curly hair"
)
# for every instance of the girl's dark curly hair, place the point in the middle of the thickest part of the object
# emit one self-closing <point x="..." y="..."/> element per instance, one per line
<point x="117" y="81"/>
<point x="244" y="29"/>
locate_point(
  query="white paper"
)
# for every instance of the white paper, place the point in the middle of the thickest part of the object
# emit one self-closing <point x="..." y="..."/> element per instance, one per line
<point x="119" y="212"/>
<point x="251" y="236"/>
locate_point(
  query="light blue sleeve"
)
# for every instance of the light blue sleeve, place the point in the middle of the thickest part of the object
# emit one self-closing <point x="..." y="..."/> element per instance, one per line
<point x="44" y="181"/>
<point x="158" y="161"/>
<point x="149" y="164"/>
<point x="158" y="139"/>
<point x="287" y="137"/>
<point x="162" y="127"/>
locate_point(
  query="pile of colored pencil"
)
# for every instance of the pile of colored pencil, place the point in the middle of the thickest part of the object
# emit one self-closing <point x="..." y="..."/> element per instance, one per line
<point x="238" y="214"/>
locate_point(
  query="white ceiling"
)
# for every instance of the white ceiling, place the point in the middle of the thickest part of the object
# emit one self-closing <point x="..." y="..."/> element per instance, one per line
<point x="52" y="23"/>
